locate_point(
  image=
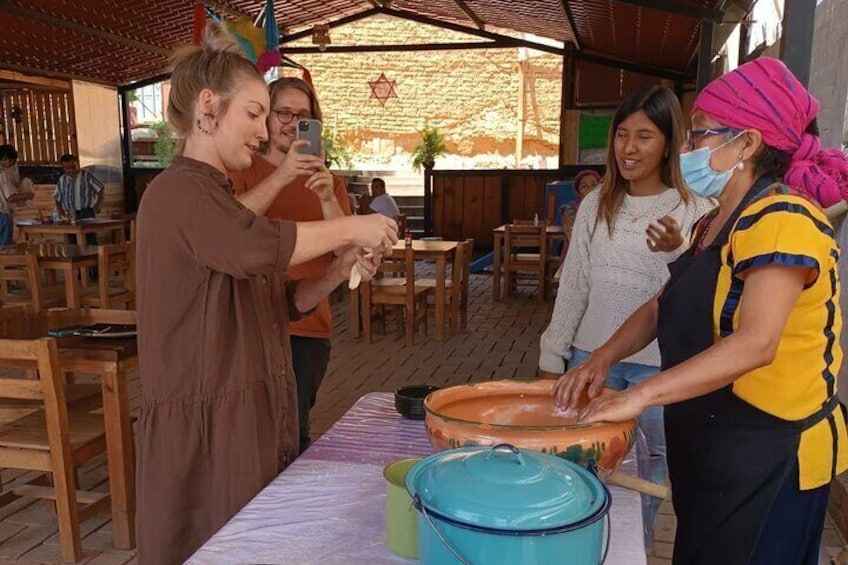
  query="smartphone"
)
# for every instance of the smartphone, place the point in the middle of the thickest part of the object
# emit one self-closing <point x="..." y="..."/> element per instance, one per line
<point x="310" y="130"/>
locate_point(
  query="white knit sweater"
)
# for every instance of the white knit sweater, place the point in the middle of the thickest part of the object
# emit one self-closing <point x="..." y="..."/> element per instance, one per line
<point x="605" y="279"/>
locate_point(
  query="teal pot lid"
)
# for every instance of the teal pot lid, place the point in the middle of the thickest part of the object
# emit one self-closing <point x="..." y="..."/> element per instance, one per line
<point x="505" y="488"/>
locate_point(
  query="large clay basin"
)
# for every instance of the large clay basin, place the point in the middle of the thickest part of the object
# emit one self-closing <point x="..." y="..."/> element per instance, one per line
<point x="524" y="414"/>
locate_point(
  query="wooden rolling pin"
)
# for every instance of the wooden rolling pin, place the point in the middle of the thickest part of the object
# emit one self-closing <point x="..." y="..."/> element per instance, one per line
<point x="836" y="210"/>
<point x="639" y="485"/>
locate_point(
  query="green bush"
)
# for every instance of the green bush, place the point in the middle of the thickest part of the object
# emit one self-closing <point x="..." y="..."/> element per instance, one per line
<point x="336" y="152"/>
<point x="165" y="146"/>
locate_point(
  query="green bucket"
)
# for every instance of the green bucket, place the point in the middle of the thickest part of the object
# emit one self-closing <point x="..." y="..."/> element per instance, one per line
<point x="401" y="517"/>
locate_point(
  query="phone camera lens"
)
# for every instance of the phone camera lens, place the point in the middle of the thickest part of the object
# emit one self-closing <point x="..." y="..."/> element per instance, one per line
<point x="303" y="126"/>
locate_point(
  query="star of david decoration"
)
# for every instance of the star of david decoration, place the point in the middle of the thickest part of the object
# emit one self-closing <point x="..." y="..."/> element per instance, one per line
<point x="382" y="89"/>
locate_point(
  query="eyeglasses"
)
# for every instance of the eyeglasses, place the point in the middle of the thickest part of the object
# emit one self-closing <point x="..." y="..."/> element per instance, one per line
<point x="285" y="117"/>
<point x="693" y="133"/>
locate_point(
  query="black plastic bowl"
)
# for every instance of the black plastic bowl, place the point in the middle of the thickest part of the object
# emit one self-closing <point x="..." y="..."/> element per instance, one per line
<point x="409" y="400"/>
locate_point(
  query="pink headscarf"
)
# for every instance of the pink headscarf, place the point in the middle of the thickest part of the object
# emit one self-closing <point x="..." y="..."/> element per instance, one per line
<point x="764" y="95"/>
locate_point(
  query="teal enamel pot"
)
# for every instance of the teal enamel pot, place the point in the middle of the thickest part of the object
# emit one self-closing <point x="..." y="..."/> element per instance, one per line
<point x="491" y="505"/>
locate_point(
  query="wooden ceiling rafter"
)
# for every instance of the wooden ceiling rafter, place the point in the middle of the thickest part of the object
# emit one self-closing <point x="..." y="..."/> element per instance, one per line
<point x="470" y="13"/>
<point x="569" y="16"/>
<point x="507" y="43"/>
<point x="335" y="23"/>
<point x="63" y="23"/>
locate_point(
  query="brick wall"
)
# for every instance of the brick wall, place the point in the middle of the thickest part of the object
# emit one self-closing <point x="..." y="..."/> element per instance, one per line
<point x="470" y="95"/>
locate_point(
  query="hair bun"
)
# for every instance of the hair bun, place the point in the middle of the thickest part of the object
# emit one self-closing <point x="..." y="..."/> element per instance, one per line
<point x="823" y="176"/>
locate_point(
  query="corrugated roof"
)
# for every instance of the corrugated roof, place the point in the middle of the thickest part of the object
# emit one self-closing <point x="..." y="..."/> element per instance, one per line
<point x="123" y="41"/>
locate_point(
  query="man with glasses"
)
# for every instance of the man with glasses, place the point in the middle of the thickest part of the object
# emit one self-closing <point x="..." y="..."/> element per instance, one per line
<point x="311" y="194"/>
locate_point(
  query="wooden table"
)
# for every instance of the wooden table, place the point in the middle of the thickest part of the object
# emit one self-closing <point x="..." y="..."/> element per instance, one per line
<point x="61" y="257"/>
<point x="553" y="233"/>
<point x="110" y="359"/>
<point x="30" y="228"/>
<point x="438" y="251"/>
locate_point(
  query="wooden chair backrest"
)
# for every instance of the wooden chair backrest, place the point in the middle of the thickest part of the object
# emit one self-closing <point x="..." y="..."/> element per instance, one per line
<point x="47" y="387"/>
<point x="23" y="267"/>
<point x="466" y="248"/>
<point x="525" y="236"/>
<point x="41" y="354"/>
<point x="115" y="262"/>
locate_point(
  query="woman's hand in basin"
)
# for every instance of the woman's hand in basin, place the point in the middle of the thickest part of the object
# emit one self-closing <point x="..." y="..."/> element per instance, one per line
<point x="587" y="378"/>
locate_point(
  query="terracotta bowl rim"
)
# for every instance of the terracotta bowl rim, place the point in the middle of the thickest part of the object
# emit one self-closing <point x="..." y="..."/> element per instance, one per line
<point x="564" y="427"/>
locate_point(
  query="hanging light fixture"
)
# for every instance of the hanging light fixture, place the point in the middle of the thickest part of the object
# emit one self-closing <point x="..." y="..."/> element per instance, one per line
<point x="321" y="36"/>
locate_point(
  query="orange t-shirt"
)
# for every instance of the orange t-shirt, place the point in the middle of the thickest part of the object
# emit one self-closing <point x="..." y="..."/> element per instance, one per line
<point x="298" y="203"/>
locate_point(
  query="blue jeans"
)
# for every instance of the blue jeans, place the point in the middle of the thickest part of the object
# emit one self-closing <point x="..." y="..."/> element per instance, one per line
<point x="6" y="228"/>
<point x="653" y="468"/>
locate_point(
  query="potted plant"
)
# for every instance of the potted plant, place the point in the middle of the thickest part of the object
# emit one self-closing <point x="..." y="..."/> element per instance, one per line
<point x="432" y="145"/>
<point x="165" y="147"/>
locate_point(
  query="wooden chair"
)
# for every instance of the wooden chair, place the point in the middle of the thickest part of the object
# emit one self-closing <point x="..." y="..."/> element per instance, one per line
<point x="53" y="439"/>
<point x="525" y="256"/>
<point x="403" y="292"/>
<point x="22" y="268"/>
<point x="115" y="278"/>
<point x="457" y="285"/>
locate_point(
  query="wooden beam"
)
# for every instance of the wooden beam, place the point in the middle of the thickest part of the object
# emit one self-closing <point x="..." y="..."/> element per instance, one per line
<point x="470" y="13"/>
<point x="54" y="21"/>
<point x="502" y="44"/>
<point x="412" y="16"/>
<point x="678" y="8"/>
<point x="599" y="59"/>
<point x="572" y="24"/>
<point x="567" y="141"/>
<point x="55" y="74"/>
<point x="145" y="82"/>
<point x="796" y="42"/>
<point x="335" y="23"/>
<point x="130" y="197"/>
<point x="705" y="55"/>
<point x="375" y="3"/>
<point x="34" y="81"/>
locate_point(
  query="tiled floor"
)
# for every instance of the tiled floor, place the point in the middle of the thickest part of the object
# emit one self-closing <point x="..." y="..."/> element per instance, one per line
<point x="501" y="342"/>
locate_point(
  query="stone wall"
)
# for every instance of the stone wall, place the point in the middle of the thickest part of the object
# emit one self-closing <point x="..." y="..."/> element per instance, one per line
<point x="472" y="96"/>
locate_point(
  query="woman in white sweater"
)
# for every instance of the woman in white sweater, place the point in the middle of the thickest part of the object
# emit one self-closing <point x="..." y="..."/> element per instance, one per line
<point x="626" y="232"/>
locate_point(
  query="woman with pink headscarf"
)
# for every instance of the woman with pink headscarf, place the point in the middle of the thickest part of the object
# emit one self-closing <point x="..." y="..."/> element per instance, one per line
<point x="747" y="328"/>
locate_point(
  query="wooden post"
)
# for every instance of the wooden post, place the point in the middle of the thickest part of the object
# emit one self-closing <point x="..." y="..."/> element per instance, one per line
<point x="796" y="43"/>
<point x="428" y="200"/>
<point x="569" y="116"/>
<point x="130" y="199"/>
<point x="705" y="54"/>
<point x="519" y="125"/>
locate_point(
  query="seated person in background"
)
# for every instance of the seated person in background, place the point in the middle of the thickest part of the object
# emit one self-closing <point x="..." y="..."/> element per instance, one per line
<point x="78" y="194"/>
<point x="381" y="202"/>
<point x="13" y="190"/>
<point x="584" y="182"/>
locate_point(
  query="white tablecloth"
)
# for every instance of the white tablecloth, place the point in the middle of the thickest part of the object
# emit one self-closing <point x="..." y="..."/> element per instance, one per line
<point x="328" y="506"/>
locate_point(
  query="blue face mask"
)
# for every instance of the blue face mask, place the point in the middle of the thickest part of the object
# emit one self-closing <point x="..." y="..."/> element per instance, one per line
<point x="702" y="179"/>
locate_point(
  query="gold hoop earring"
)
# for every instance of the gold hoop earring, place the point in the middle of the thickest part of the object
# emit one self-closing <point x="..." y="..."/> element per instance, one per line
<point x="211" y="120"/>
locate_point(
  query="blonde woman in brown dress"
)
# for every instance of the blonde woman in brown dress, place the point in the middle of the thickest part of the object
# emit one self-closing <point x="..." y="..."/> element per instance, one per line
<point x="219" y="407"/>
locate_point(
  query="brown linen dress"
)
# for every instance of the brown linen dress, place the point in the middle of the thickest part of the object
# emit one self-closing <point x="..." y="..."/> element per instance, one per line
<point x="219" y="407"/>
